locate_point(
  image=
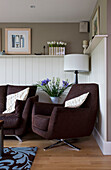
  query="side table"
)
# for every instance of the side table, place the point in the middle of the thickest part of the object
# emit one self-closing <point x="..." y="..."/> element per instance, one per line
<point x="1" y="137"/>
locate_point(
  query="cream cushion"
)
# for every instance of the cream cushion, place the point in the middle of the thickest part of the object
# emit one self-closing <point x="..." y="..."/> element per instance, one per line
<point x="77" y="101"/>
<point x="11" y="100"/>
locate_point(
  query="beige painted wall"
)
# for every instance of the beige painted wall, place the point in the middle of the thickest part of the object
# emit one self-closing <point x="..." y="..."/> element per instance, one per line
<point x="42" y="32"/>
<point x="103" y="17"/>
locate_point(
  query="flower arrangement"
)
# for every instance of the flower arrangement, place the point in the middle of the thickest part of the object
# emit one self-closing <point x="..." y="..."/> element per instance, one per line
<point x="56" y="48"/>
<point x="56" y="44"/>
<point x="52" y="87"/>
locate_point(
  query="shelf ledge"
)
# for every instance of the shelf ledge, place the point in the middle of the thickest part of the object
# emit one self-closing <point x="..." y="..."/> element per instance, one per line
<point x="31" y="56"/>
<point x="95" y="41"/>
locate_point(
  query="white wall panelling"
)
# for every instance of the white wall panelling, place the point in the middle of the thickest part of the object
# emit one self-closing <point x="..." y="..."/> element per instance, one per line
<point x="98" y="75"/>
<point x="22" y="69"/>
<point x="28" y="69"/>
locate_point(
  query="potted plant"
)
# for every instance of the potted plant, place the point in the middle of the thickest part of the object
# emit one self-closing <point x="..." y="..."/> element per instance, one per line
<point x="53" y="88"/>
<point x="56" y="48"/>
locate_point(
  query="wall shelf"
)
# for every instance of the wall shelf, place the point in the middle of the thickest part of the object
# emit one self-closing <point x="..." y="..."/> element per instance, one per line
<point x="96" y="40"/>
<point x="31" y="56"/>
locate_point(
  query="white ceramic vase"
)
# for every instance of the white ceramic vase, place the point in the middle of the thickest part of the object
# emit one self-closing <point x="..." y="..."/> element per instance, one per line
<point x="54" y="100"/>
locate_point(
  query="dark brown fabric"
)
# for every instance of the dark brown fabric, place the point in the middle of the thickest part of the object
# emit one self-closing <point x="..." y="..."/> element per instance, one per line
<point x="9" y="131"/>
<point x="26" y="116"/>
<point x="71" y="122"/>
<point x="17" y="158"/>
<point x="41" y="122"/>
<point x="45" y="108"/>
<point x="15" y="123"/>
<point x="80" y="89"/>
<point x="14" y="89"/>
<point x="10" y="120"/>
<point x="3" y="93"/>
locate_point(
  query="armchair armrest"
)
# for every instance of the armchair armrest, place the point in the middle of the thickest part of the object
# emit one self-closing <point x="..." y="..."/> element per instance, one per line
<point x="28" y="106"/>
<point x="70" y="122"/>
<point x="44" y="108"/>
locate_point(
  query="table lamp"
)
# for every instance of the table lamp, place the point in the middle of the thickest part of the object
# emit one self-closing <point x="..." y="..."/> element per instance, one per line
<point x="76" y="63"/>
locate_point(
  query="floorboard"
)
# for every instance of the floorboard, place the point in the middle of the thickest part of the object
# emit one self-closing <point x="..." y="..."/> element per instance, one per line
<point x="63" y="157"/>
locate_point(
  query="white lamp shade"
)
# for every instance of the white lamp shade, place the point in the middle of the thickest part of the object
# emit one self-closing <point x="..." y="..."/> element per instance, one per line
<point x="79" y="62"/>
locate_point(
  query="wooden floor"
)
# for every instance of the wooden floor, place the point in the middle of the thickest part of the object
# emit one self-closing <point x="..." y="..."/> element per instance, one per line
<point x="63" y="157"/>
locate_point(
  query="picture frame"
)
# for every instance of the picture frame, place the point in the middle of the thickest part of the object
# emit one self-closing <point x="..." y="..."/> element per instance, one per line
<point x="18" y="40"/>
<point x="96" y="23"/>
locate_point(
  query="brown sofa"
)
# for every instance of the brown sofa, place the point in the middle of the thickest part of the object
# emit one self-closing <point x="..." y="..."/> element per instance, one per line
<point x="54" y="121"/>
<point x="15" y="123"/>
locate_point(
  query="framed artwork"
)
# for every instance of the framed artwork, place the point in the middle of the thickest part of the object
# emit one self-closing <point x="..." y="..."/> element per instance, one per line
<point x="96" y="23"/>
<point x="17" y="40"/>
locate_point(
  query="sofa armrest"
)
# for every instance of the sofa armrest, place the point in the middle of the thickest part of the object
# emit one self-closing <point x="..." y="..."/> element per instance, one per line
<point x="44" y="108"/>
<point x="19" y="107"/>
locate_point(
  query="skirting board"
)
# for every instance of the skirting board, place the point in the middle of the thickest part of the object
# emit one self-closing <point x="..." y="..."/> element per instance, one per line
<point x="104" y="146"/>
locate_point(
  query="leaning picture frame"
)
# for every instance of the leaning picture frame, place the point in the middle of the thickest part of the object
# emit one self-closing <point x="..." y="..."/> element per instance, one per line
<point x="18" y="40"/>
<point x="96" y="23"/>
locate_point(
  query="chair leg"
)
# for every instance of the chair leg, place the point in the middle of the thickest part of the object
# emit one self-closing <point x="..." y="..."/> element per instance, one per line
<point x="72" y="146"/>
<point x="60" y="141"/>
<point x="17" y="137"/>
<point x="51" y="146"/>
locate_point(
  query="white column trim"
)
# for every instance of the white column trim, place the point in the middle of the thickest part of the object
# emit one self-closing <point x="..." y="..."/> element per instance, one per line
<point x="104" y="146"/>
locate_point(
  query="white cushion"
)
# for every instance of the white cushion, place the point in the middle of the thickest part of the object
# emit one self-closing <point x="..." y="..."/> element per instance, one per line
<point x="11" y="100"/>
<point x="77" y="101"/>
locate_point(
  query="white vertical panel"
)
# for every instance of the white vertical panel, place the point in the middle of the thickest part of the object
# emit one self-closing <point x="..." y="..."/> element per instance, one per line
<point x="9" y="70"/>
<point x="16" y="70"/>
<point x="98" y="75"/>
<point x="2" y="71"/>
<point x="35" y="70"/>
<point x="22" y="70"/>
<point x="55" y="71"/>
<point x="48" y="67"/>
<point x="28" y="71"/>
<point x="42" y="69"/>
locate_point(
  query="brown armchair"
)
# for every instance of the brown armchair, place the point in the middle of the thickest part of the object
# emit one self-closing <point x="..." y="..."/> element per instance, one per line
<point x="54" y="121"/>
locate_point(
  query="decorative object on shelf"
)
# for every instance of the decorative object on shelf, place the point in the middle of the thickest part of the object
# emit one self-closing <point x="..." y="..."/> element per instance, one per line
<point x="56" y="48"/>
<point x="2" y="52"/>
<point x="96" y="23"/>
<point x="94" y="42"/>
<point x="18" y="40"/>
<point x="85" y="45"/>
<point x="44" y="50"/>
<point x="53" y="87"/>
<point x="76" y="63"/>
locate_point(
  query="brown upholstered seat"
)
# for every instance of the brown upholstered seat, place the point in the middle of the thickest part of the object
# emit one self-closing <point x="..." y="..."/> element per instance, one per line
<point x="65" y="123"/>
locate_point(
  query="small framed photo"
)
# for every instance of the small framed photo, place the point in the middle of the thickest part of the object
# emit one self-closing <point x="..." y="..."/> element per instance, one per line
<point x="17" y="40"/>
<point x="96" y="23"/>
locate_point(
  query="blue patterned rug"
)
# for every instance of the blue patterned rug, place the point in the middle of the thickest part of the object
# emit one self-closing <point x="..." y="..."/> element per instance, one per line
<point x="17" y="158"/>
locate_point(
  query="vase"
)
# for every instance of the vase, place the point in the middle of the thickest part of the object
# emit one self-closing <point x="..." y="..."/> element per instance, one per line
<point x="57" y="50"/>
<point x="51" y="51"/>
<point x="54" y="100"/>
